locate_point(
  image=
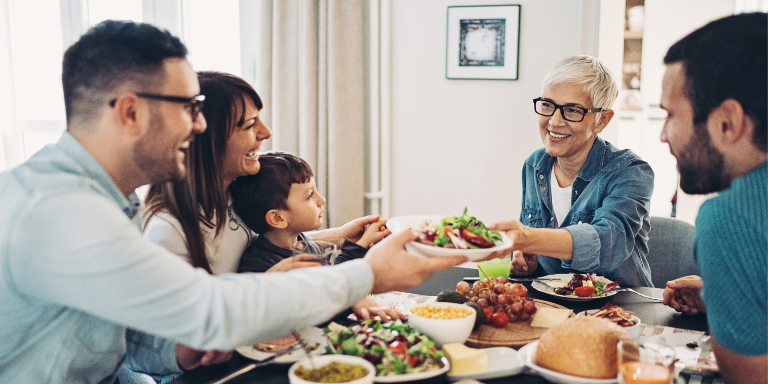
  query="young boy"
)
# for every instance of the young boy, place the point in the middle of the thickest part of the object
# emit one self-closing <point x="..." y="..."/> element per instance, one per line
<point x="280" y="203"/>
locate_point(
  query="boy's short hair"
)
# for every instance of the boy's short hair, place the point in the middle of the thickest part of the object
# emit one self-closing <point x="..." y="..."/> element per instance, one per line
<point x="255" y="195"/>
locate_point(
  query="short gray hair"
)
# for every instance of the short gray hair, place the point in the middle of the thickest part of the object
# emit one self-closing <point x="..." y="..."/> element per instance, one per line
<point x="599" y="82"/>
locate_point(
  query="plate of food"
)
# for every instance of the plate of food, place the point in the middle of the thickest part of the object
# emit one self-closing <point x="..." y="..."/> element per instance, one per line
<point x="450" y="235"/>
<point x="576" y="286"/>
<point x="692" y="349"/>
<point x="399" y="352"/>
<point x="316" y="342"/>
<point x="527" y="355"/>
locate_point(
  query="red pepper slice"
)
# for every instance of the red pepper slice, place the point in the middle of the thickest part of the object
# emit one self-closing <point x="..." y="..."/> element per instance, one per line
<point x="475" y="238"/>
<point x="398" y="347"/>
<point x="584" y="291"/>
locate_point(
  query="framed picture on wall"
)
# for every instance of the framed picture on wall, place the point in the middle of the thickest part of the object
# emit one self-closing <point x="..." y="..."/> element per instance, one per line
<point x="483" y="42"/>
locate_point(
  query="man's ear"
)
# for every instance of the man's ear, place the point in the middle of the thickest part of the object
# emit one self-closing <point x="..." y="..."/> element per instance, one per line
<point x="276" y="219"/>
<point x="728" y="125"/>
<point x="605" y="118"/>
<point x="127" y="113"/>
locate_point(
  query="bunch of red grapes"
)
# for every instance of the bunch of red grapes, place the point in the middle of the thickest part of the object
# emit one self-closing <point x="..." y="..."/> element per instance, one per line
<point x="498" y="294"/>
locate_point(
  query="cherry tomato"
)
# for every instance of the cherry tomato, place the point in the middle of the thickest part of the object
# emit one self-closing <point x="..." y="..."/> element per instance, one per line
<point x="584" y="291"/>
<point x="398" y="347"/>
<point x="500" y="319"/>
<point x="413" y="360"/>
<point x="488" y="313"/>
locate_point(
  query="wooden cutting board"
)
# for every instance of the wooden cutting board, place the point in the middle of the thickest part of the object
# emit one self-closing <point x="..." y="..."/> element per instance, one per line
<point x="514" y="335"/>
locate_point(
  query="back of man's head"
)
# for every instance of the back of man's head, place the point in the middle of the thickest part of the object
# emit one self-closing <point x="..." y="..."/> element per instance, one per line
<point x="727" y="59"/>
<point x="255" y="195"/>
<point x="111" y="58"/>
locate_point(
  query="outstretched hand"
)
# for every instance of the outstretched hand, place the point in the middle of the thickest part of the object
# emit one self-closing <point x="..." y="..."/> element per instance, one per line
<point x="684" y="295"/>
<point x="368" y="307"/>
<point x="394" y="269"/>
<point x="374" y="233"/>
<point x="355" y="229"/>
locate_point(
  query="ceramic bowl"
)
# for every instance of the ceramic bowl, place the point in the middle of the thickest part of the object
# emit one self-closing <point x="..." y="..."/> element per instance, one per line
<point x="321" y="361"/>
<point x="444" y="331"/>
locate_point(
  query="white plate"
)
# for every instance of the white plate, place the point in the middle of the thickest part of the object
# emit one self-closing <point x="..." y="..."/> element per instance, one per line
<point x="688" y="356"/>
<point x="400" y="223"/>
<point x="502" y="362"/>
<point x="543" y="287"/>
<point x="528" y="355"/>
<point x="312" y="335"/>
<point x="414" y="376"/>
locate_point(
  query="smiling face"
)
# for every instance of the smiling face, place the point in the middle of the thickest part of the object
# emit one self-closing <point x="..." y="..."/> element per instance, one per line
<point x="240" y="158"/>
<point x="700" y="164"/>
<point x="305" y="207"/>
<point x="566" y="139"/>
<point x="161" y="152"/>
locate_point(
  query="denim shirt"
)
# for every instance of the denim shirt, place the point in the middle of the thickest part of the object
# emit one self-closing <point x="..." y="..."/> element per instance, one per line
<point x="75" y="273"/>
<point x="609" y="217"/>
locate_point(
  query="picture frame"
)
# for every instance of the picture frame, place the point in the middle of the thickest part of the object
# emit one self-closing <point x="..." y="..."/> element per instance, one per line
<point x="483" y="42"/>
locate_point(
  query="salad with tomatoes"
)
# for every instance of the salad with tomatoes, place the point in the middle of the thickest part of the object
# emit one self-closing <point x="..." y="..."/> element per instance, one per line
<point x="460" y="232"/>
<point x="587" y="285"/>
<point x="393" y="347"/>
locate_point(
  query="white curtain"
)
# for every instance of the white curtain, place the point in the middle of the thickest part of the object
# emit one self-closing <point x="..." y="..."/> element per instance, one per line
<point x="310" y="76"/>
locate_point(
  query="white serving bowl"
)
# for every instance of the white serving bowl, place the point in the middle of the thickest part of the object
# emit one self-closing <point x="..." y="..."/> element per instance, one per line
<point x="444" y="331"/>
<point x="633" y="330"/>
<point x="400" y="223"/>
<point x="323" y="360"/>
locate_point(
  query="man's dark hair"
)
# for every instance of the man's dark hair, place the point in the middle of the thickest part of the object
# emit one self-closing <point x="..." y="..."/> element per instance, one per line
<point x="727" y="59"/>
<point x="255" y="195"/>
<point x="111" y="58"/>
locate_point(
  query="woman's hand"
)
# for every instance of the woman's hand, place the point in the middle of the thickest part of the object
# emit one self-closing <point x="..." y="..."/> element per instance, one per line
<point x="355" y="229"/>
<point x="374" y="233"/>
<point x="294" y="262"/>
<point x="523" y="263"/>
<point x="190" y="358"/>
<point x="368" y="307"/>
<point x="684" y="295"/>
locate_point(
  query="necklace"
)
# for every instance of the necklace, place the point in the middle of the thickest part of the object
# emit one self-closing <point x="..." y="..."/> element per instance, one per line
<point x="234" y="224"/>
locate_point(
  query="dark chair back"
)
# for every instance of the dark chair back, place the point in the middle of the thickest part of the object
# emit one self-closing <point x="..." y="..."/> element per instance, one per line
<point x="670" y="250"/>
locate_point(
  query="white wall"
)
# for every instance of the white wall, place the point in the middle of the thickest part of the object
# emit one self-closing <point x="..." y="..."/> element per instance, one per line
<point x="457" y="143"/>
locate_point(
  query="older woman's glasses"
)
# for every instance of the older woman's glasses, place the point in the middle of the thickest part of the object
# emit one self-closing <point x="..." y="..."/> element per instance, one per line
<point x="195" y="103"/>
<point x="571" y="113"/>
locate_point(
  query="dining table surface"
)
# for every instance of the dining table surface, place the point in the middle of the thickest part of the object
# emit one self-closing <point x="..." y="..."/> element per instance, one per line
<point x="650" y="313"/>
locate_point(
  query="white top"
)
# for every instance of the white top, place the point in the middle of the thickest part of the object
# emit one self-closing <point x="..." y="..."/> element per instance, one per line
<point x="223" y="251"/>
<point x="561" y="199"/>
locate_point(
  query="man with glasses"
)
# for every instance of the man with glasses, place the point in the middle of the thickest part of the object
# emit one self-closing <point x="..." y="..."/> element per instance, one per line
<point x="74" y="269"/>
<point x="585" y="203"/>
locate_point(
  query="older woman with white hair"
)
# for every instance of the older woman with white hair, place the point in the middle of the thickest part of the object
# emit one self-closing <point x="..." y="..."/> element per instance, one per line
<point x="585" y="203"/>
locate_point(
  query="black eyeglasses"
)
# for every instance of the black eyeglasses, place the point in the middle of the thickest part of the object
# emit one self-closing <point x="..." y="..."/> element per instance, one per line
<point x="571" y="113"/>
<point x="195" y="103"/>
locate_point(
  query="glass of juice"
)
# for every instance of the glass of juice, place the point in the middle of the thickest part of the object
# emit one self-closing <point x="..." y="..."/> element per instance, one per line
<point x="645" y="365"/>
<point x="495" y="267"/>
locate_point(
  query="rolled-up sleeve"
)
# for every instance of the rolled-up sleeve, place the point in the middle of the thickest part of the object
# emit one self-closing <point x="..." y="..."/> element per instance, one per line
<point x="604" y="243"/>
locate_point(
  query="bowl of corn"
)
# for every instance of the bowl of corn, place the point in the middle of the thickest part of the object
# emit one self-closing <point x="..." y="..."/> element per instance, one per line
<point x="445" y="323"/>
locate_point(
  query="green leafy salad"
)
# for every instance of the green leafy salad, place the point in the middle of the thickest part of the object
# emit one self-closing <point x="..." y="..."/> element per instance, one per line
<point x="461" y="232"/>
<point x="394" y="348"/>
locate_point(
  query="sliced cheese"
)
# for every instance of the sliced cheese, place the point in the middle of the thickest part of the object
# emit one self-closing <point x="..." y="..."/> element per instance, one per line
<point x="549" y="317"/>
<point x="464" y="359"/>
<point x="558" y="283"/>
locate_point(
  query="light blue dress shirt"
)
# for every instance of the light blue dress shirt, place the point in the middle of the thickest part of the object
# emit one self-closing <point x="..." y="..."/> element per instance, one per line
<point x="75" y="273"/>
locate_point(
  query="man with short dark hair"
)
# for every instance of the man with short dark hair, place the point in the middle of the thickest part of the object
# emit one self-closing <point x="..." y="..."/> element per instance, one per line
<point x="74" y="269"/>
<point x="714" y="91"/>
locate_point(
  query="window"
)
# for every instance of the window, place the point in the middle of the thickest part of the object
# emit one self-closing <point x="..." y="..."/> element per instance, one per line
<point x="31" y="48"/>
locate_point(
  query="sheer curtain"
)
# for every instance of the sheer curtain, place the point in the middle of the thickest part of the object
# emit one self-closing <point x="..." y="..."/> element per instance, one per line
<point x="310" y="75"/>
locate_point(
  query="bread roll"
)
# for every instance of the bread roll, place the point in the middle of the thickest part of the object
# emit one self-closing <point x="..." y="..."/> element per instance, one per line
<point x="582" y="346"/>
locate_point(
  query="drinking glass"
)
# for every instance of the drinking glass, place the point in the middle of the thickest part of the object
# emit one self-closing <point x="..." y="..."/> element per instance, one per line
<point x="495" y="267"/>
<point x="653" y="364"/>
<point x="324" y="252"/>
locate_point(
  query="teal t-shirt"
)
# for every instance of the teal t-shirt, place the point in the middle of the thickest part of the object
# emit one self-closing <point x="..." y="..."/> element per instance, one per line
<point x="731" y="249"/>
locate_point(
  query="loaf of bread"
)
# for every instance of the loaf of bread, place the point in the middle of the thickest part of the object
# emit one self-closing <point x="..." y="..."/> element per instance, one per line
<point x="582" y="346"/>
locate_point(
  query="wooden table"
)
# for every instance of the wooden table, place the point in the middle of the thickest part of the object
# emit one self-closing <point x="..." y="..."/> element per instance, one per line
<point x="650" y="312"/>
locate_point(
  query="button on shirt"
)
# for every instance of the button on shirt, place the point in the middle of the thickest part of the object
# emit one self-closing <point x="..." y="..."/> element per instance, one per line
<point x="75" y="272"/>
<point x="609" y="217"/>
